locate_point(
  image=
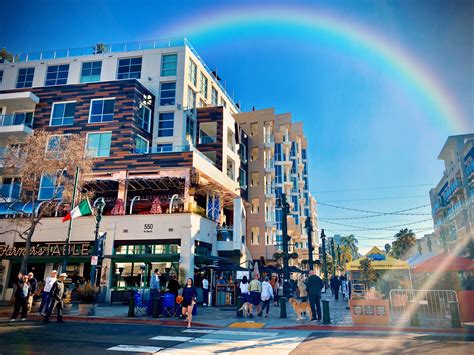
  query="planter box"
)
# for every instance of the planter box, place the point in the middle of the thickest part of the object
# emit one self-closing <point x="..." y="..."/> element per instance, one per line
<point x="370" y="312"/>
<point x="466" y="305"/>
<point x="87" y="309"/>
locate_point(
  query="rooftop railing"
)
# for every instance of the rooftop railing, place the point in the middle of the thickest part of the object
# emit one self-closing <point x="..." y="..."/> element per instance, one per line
<point x="15" y="119"/>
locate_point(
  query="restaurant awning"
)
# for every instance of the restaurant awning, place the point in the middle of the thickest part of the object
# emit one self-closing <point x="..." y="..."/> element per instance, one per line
<point x="445" y="263"/>
<point x="380" y="261"/>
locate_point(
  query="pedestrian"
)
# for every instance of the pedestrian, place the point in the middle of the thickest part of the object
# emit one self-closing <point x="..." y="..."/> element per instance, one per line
<point x="173" y="286"/>
<point x="314" y="286"/>
<point x="267" y="295"/>
<point x="58" y="295"/>
<point x="244" y="289"/>
<point x="205" y="290"/>
<point x="154" y="289"/>
<point x="274" y="283"/>
<point x="189" y="300"/>
<point x="46" y="296"/>
<point x="335" y="285"/>
<point x="343" y="287"/>
<point x="255" y="289"/>
<point x="302" y="289"/>
<point x="221" y="280"/>
<point x="22" y="294"/>
<point x="34" y="284"/>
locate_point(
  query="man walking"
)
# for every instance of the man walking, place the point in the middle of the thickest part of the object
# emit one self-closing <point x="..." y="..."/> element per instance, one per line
<point x="314" y="286"/>
<point x="205" y="291"/>
<point x="255" y="288"/>
<point x="335" y="285"/>
<point x="46" y="296"/>
<point x="57" y="299"/>
<point x="154" y="289"/>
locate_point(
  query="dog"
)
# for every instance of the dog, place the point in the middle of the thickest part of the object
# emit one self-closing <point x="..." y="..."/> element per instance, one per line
<point x="246" y="309"/>
<point x="300" y="308"/>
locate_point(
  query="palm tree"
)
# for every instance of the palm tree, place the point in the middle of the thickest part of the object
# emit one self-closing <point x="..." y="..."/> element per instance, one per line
<point x="404" y="241"/>
<point x="387" y="248"/>
<point x="350" y="242"/>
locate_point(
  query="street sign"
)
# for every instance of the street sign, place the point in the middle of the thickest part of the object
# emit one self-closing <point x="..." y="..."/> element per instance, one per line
<point x="94" y="260"/>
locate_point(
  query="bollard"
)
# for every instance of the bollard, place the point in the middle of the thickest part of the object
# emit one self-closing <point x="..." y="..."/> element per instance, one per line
<point x="413" y="309"/>
<point x="282" y="307"/>
<point x="326" y="315"/>
<point x="239" y="302"/>
<point x="131" y="306"/>
<point x="455" y="318"/>
<point x="155" y="310"/>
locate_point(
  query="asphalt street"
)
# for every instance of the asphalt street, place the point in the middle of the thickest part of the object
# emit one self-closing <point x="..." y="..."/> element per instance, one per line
<point x="32" y="337"/>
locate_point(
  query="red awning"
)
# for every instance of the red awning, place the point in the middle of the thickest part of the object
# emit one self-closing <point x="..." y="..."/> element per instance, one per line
<point x="445" y="263"/>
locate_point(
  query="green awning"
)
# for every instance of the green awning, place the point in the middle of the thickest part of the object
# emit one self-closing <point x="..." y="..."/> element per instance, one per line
<point x="144" y="257"/>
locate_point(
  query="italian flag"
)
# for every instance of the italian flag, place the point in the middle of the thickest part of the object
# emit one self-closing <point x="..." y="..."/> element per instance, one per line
<point x="83" y="209"/>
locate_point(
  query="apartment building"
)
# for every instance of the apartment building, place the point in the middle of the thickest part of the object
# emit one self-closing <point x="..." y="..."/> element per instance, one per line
<point x="277" y="164"/>
<point x="170" y="160"/>
<point x="452" y="200"/>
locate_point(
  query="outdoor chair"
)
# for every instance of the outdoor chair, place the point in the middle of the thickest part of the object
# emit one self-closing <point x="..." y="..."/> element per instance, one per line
<point x="169" y="306"/>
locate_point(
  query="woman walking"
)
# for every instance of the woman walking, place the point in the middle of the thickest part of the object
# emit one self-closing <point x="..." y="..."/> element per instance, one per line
<point x="244" y="289"/>
<point x="302" y="289"/>
<point x="22" y="294"/>
<point x="189" y="300"/>
<point x="267" y="294"/>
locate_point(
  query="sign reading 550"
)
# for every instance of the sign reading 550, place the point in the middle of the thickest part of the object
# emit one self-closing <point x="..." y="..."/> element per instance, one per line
<point x="148" y="228"/>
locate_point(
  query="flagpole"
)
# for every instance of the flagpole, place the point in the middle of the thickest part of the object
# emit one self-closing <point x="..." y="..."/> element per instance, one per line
<point x="73" y="204"/>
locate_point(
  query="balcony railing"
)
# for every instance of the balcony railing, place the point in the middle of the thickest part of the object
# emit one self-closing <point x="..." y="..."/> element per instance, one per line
<point x="15" y="119"/>
<point x="452" y="211"/>
<point x="205" y="139"/>
<point x="269" y="164"/>
<point x="269" y="138"/>
<point x="270" y="190"/>
<point x="225" y="234"/>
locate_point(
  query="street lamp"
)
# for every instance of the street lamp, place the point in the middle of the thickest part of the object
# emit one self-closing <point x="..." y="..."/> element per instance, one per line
<point x="285" y="207"/>
<point x="99" y="206"/>
<point x="309" y="227"/>
<point x="325" y="263"/>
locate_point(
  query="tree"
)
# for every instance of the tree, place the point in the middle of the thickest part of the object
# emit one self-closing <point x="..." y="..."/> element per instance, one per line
<point x="43" y="156"/>
<point x="387" y="247"/>
<point x="405" y="239"/>
<point x="350" y="242"/>
<point x="5" y="56"/>
<point x="367" y="272"/>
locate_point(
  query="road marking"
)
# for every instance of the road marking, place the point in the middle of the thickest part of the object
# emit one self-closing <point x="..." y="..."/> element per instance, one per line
<point x="136" y="348"/>
<point x="171" y="338"/>
<point x="244" y="333"/>
<point x="204" y="331"/>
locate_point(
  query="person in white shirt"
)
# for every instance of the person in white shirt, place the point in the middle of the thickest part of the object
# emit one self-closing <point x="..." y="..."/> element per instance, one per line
<point x="267" y="295"/>
<point x="205" y="291"/>
<point x="46" y="295"/>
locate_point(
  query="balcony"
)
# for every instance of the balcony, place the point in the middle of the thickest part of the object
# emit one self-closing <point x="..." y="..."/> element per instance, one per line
<point x="269" y="165"/>
<point x="454" y="209"/>
<point x="269" y="140"/>
<point x="470" y="170"/>
<point x="270" y="192"/>
<point x="270" y="219"/>
<point x="18" y="125"/>
<point x="205" y="139"/>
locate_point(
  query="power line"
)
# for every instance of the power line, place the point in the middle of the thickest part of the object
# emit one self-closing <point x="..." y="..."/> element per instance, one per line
<point x="377" y="228"/>
<point x="374" y="188"/>
<point x="352" y="231"/>
<point x="378" y="213"/>
<point x="379" y="198"/>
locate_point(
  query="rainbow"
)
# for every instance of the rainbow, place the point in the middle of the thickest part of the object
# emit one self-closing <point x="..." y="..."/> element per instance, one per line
<point x="404" y="68"/>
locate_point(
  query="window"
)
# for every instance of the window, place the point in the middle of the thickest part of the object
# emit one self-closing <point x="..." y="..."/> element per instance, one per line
<point x="129" y="68"/>
<point x="25" y="78"/>
<point x="203" y="88"/>
<point x="141" y="145"/>
<point x="278" y="217"/>
<point x="163" y="148"/>
<point x="91" y="71"/>
<point x="191" y="98"/>
<point x="254" y="180"/>
<point x="167" y="94"/>
<point x="253" y="129"/>
<point x="169" y="63"/>
<point x="25" y="118"/>
<point x="255" y="235"/>
<point x="230" y="168"/>
<point x="11" y="188"/>
<point x="278" y="152"/>
<point x="254" y="154"/>
<point x="48" y="189"/>
<point x="278" y="174"/>
<point x="214" y="96"/>
<point x="102" y="110"/>
<point x="63" y="113"/>
<point x="223" y="103"/>
<point x="57" y="75"/>
<point x="56" y="146"/>
<point x="1" y="76"/>
<point x="242" y="178"/>
<point x="190" y="124"/>
<point x="166" y="124"/>
<point x="192" y="72"/>
<point x="144" y="117"/>
<point x="98" y="144"/>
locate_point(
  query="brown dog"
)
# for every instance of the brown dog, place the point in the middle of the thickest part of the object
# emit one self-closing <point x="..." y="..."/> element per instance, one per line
<point x="246" y="309"/>
<point x="300" y="308"/>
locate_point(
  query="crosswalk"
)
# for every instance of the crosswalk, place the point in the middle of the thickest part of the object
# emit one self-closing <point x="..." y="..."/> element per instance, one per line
<point x="222" y="341"/>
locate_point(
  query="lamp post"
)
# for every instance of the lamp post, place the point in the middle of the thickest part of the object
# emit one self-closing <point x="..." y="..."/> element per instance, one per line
<point x="325" y="263"/>
<point x="333" y="258"/>
<point x="69" y="228"/>
<point x="285" y="207"/>
<point x="309" y="228"/>
<point x="99" y="205"/>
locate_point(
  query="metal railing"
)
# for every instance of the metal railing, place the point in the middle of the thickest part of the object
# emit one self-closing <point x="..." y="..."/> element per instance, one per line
<point x="172" y="149"/>
<point x="14" y="120"/>
<point x="225" y="234"/>
<point x="205" y="139"/>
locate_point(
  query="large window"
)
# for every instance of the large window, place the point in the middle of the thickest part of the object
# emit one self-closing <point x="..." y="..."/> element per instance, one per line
<point x="141" y="145"/>
<point x="63" y="113"/>
<point x="91" y="71"/>
<point x="242" y="178"/>
<point x="166" y="124"/>
<point x="214" y="96"/>
<point x="167" y="94"/>
<point x="48" y="189"/>
<point x="25" y="118"/>
<point x="191" y="98"/>
<point x="255" y="235"/>
<point x="190" y="127"/>
<point x="25" y="78"/>
<point x="57" y="75"/>
<point x="164" y="148"/>
<point x="192" y="72"/>
<point x="169" y="63"/>
<point x="129" y="68"/>
<point x="102" y="110"/>
<point x="11" y="188"/>
<point x="55" y="148"/>
<point x="204" y="82"/>
<point x="98" y="144"/>
<point x="144" y="117"/>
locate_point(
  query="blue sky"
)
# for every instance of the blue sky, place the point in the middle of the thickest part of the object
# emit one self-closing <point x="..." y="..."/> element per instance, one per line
<point x="366" y="129"/>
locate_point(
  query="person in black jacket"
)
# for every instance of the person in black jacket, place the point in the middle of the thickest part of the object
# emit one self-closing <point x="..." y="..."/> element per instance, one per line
<point x="58" y="295"/>
<point x="314" y="286"/>
<point x="34" y="286"/>
<point x="189" y="300"/>
<point x="22" y="293"/>
<point x="335" y="286"/>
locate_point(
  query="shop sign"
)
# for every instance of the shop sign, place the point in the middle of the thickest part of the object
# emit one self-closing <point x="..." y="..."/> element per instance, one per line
<point x="47" y="249"/>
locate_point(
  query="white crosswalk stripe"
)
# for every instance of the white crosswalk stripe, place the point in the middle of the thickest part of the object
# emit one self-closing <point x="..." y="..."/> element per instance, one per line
<point x="171" y="338"/>
<point x="136" y="348"/>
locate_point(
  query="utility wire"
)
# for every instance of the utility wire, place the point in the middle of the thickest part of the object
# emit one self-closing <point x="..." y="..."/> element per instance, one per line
<point x="379" y="198"/>
<point x="374" y="188"/>
<point x="378" y="213"/>
<point x="377" y="228"/>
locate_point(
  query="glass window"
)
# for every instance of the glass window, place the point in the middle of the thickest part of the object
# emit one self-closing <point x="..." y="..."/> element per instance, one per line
<point x="102" y="110"/>
<point x="167" y="94"/>
<point x="129" y="68"/>
<point x="48" y="189"/>
<point x="163" y="148"/>
<point x="11" y="188"/>
<point x="255" y="235"/>
<point x="143" y="118"/>
<point x="57" y="75"/>
<point x="192" y="72"/>
<point x="243" y="178"/>
<point x="190" y="124"/>
<point x="98" y="144"/>
<point x="25" y="78"/>
<point x="214" y="96"/>
<point x="63" y="113"/>
<point x="278" y="152"/>
<point x="141" y="145"/>
<point x="56" y="146"/>
<point x="169" y="63"/>
<point x="191" y="98"/>
<point x="278" y="174"/>
<point x="166" y="124"/>
<point x="204" y="82"/>
<point x="25" y="118"/>
<point x="91" y="71"/>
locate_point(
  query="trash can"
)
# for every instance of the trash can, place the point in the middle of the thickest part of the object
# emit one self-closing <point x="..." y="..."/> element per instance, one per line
<point x="326" y="315"/>
<point x="239" y="303"/>
<point x="282" y="307"/>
